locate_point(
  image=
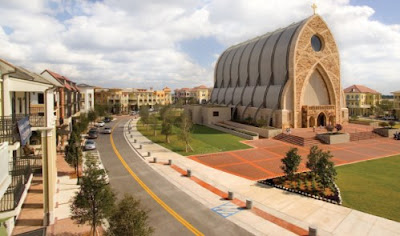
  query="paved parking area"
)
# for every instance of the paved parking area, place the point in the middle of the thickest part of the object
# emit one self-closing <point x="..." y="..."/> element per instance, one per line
<point x="264" y="160"/>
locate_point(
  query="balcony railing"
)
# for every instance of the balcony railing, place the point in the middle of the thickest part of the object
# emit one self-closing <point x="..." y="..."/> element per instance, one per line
<point x="20" y="170"/>
<point x="8" y="126"/>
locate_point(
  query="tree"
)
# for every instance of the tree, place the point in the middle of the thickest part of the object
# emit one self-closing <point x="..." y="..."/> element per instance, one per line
<point x="291" y="162"/>
<point x="167" y="123"/>
<point x="325" y="170"/>
<point x="313" y="158"/>
<point x="186" y="127"/>
<point x="101" y="109"/>
<point x="95" y="201"/>
<point x="163" y="110"/>
<point x="73" y="153"/>
<point x="129" y="219"/>
<point x="144" y="114"/>
<point x="153" y="121"/>
<point x="92" y="116"/>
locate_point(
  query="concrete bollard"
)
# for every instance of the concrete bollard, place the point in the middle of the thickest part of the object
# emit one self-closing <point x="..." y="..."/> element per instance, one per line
<point x="169" y="162"/>
<point x="249" y="204"/>
<point x="148" y="154"/>
<point x="134" y="141"/>
<point x="131" y="136"/>
<point x="230" y="195"/>
<point x="312" y="230"/>
<point x="154" y="159"/>
<point x="189" y="173"/>
<point x="140" y="146"/>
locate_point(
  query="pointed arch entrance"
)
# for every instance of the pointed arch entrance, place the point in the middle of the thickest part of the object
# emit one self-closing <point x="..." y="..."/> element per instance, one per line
<point x="321" y="120"/>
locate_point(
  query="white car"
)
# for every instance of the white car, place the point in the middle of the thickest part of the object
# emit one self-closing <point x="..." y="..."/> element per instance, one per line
<point x="106" y="130"/>
<point x="100" y="124"/>
<point x="90" y="145"/>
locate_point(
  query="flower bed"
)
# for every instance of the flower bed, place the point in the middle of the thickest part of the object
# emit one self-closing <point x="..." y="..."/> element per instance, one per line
<point x="302" y="184"/>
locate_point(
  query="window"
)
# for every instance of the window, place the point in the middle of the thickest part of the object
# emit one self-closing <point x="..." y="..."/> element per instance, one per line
<point x="40" y="98"/>
<point x="316" y="43"/>
<point x="215" y="113"/>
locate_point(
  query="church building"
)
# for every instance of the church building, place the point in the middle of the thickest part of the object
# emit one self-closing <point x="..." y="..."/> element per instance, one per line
<point x="288" y="78"/>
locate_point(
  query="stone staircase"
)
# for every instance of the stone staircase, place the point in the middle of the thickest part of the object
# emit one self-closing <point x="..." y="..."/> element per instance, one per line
<point x="363" y="136"/>
<point x="296" y="140"/>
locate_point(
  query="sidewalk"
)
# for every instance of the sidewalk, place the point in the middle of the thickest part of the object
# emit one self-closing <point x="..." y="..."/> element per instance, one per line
<point x="282" y="208"/>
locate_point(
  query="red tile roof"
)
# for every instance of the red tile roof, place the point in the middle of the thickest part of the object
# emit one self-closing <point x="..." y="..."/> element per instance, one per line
<point x="359" y="89"/>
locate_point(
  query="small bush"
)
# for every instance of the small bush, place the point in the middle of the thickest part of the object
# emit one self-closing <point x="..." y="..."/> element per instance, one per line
<point x="392" y="123"/>
<point x="338" y="127"/>
<point x="329" y="128"/>
<point x="383" y="124"/>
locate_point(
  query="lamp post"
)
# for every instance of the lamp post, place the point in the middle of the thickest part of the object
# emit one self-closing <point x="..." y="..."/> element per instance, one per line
<point x="77" y="146"/>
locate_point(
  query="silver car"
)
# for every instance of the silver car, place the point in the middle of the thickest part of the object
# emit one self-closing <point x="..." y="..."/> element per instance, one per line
<point x="90" y="145"/>
<point x="106" y="130"/>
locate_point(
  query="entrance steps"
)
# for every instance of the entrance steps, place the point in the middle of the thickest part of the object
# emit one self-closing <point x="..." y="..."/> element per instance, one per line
<point x="363" y="136"/>
<point x="297" y="140"/>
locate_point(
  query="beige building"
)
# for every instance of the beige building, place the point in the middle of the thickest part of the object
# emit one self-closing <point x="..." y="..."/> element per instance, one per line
<point x="396" y="104"/>
<point x="27" y="140"/>
<point x="131" y="99"/>
<point x="288" y="78"/>
<point x="361" y="100"/>
<point x="200" y="95"/>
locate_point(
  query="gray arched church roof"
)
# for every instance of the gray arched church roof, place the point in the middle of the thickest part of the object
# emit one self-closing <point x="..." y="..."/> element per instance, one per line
<point x="254" y="73"/>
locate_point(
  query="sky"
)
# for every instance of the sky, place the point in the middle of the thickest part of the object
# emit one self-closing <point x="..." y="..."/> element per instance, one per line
<point x="175" y="43"/>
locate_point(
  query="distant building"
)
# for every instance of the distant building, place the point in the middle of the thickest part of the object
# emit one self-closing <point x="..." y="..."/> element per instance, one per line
<point x="396" y="103"/>
<point x="361" y="100"/>
<point x="131" y="99"/>
<point x="200" y="95"/>
<point x="87" y="97"/>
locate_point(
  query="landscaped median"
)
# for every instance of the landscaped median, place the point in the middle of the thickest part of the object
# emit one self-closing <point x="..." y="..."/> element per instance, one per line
<point x="204" y="140"/>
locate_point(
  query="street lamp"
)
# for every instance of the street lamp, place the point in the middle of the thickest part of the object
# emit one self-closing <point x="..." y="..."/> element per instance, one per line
<point x="77" y="146"/>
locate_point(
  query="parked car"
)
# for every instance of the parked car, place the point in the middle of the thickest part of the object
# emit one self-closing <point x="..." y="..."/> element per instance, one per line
<point x="107" y="130"/>
<point x="90" y="145"/>
<point x="107" y="119"/>
<point x="94" y="129"/>
<point x="99" y="124"/>
<point x="133" y="113"/>
<point x="93" y="134"/>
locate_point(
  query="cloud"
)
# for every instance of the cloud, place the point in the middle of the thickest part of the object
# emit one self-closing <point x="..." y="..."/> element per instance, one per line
<point x="124" y="43"/>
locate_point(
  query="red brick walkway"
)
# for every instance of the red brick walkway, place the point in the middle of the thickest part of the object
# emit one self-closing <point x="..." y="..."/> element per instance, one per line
<point x="264" y="160"/>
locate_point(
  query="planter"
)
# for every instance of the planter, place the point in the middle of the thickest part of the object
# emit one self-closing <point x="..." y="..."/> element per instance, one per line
<point x="386" y="132"/>
<point x="334" y="138"/>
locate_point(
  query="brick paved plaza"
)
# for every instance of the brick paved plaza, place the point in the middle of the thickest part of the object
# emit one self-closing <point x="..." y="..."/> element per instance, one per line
<point x="263" y="161"/>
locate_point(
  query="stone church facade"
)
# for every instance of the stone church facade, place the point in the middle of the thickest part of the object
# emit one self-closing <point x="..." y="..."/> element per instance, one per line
<point x="289" y="77"/>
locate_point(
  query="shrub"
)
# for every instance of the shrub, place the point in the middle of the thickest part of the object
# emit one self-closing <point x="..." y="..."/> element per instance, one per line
<point x="383" y="124"/>
<point x="248" y="120"/>
<point x="392" y="123"/>
<point x="325" y="170"/>
<point x="338" y="127"/>
<point x="313" y="158"/>
<point x="262" y="123"/>
<point x="329" y="128"/>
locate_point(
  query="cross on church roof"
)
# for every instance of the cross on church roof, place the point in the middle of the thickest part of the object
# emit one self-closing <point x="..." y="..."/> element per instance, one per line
<point x="314" y="7"/>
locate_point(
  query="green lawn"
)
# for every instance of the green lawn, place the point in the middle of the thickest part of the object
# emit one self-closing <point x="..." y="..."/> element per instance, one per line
<point x="204" y="140"/>
<point x="372" y="186"/>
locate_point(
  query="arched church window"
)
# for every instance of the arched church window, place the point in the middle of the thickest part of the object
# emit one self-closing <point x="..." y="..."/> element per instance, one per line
<point x="316" y="43"/>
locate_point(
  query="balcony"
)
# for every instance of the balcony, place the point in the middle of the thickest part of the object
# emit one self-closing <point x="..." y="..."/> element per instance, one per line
<point x="20" y="171"/>
<point x="8" y="126"/>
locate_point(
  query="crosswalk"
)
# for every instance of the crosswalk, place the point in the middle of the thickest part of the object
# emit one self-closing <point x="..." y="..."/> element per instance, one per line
<point x="226" y="210"/>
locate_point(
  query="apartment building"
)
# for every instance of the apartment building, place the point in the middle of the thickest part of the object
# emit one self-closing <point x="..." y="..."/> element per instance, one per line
<point x="86" y="97"/>
<point x="200" y="94"/>
<point x="131" y="99"/>
<point x="27" y="140"/>
<point x="361" y="100"/>
<point x="67" y="99"/>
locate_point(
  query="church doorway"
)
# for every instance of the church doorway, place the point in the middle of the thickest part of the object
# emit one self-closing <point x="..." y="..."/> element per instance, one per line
<point x="321" y="121"/>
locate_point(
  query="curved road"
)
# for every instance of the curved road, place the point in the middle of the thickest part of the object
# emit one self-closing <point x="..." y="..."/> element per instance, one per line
<point x="202" y="219"/>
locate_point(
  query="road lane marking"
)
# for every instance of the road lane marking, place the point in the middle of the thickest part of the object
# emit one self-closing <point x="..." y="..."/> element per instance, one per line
<point x="150" y="192"/>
